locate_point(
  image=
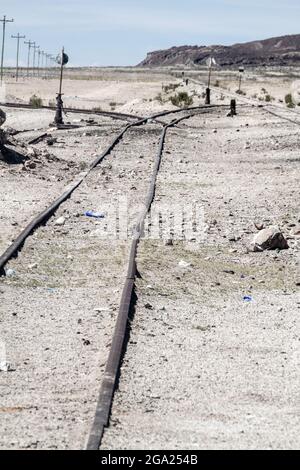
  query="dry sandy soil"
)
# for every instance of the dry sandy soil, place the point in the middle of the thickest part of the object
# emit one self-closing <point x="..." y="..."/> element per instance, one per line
<point x="204" y="369"/>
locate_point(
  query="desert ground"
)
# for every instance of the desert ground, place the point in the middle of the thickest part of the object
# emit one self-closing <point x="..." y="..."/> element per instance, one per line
<point x="212" y="360"/>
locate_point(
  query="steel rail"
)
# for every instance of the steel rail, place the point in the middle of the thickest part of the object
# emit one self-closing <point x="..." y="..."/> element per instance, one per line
<point x="114" y="115"/>
<point x="41" y="218"/>
<point x="109" y="382"/>
<point x="285" y="118"/>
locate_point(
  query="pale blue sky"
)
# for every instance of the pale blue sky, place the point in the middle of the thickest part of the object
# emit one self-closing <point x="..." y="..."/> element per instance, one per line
<point x="121" y="32"/>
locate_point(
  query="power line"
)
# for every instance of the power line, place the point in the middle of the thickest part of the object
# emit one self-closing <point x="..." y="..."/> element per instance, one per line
<point x="4" y="21"/>
<point x="18" y="37"/>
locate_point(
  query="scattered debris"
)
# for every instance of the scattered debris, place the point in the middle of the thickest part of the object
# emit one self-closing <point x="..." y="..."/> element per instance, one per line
<point x="95" y="215"/>
<point x="6" y="367"/>
<point x="10" y="273"/>
<point x="269" y="239"/>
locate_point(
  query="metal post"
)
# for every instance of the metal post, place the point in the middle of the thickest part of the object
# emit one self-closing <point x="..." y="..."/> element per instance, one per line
<point x="59" y="102"/>
<point x="241" y="71"/>
<point x="233" y="108"/>
<point x="207" y="94"/>
<point x="18" y="37"/>
<point x="4" y="21"/>
<point x="30" y="43"/>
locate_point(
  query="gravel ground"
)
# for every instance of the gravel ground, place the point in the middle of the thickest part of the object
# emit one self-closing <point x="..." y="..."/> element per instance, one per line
<point x="204" y="369"/>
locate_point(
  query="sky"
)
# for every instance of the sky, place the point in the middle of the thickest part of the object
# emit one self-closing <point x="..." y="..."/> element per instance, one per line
<point x="121" y="32"/>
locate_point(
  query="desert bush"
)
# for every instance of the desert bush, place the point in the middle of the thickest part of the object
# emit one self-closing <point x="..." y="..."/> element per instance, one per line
<point x="289" y="101"/>
<point x="241" y="92"/>
<point x="159" y="98"/>
<point x="170" y="87"/>
<point x="36" y="101"/>
<point x="182" y="100"/>
<point x="217" y="83"/>
<point x="97" y="109"/>
<point x="269" y="98"/>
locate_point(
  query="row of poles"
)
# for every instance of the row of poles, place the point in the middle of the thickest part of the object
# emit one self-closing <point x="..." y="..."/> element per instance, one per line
<point x="40" y="59"/>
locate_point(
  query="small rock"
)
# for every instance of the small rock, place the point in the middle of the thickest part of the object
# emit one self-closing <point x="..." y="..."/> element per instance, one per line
<point x="10" y="273"/>
<point x="295" y="232"/>
<point x="184" y="264"/>
<point x="30" y="165"/>
<point x="33" y="266"/>
<point x="5" y="367"/>
<point x="269" y="239"/>
<point x="61" y="221"/>
<point x="148" y="306"/>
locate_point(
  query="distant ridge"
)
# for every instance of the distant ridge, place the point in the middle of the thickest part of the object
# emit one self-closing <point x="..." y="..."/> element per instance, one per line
<point x="280" y="51"/>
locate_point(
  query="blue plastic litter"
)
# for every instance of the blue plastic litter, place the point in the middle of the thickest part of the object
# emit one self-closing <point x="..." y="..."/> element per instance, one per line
<point x="95" y="215"/>
<point x="248" y="298"/>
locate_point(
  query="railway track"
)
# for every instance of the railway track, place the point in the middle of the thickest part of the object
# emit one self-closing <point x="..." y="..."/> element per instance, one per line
<point x="50" y="210"/>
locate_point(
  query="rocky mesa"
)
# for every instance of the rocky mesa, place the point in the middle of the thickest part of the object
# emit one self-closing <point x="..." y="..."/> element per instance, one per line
<point x="279" y="51"/>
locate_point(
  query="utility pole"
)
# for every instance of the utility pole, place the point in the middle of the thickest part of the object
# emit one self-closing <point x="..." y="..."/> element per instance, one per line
<point x="4" y="21"/>
<point x="18" y="37"/>
<point x="30" y="45"/>
<point x="34" y="52"/>
<point x="39" y="61"/>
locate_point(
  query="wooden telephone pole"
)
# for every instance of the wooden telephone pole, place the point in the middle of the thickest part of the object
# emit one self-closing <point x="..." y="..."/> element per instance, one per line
<point x="4" y="21"/>
<point x="18" y="37"/>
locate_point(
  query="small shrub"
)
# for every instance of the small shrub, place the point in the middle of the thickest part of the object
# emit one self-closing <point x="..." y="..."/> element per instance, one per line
<point x="97" y="109"/>
<point x="217" y="83"/>
<point x="241" y="92"/>
<point x="182" y="100"/>
<point x="36" y="101"/>
<point x="52" y="104"/>
<point x="269" y="98"/>
<point x="289" y="101"/>
<point x="159" y="98"/>
<point x="170" y="87"/>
